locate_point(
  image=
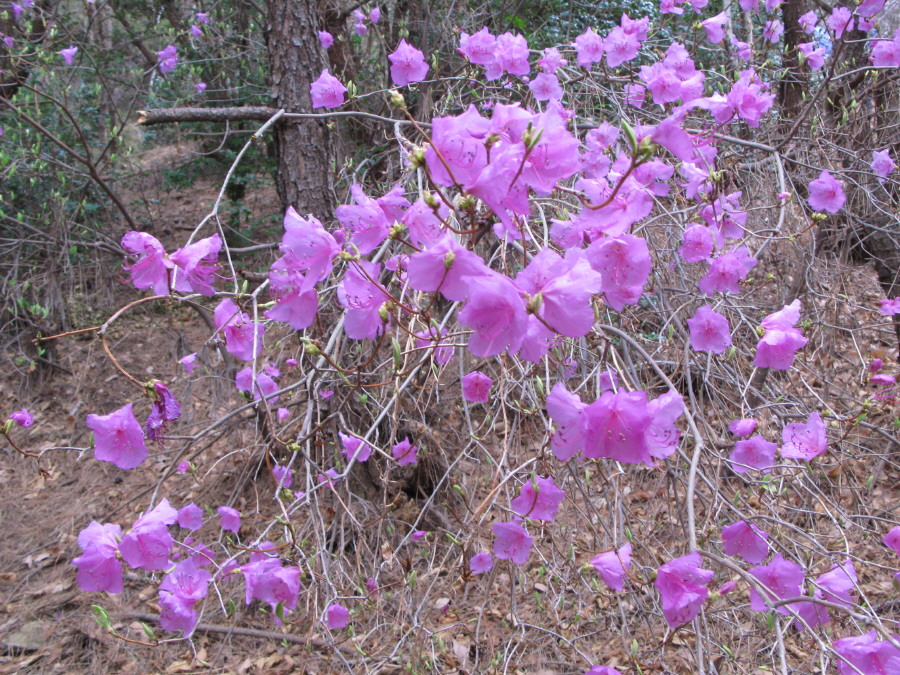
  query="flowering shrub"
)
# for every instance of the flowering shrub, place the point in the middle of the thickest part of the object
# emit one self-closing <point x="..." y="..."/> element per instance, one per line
<point x="570" y="253"/>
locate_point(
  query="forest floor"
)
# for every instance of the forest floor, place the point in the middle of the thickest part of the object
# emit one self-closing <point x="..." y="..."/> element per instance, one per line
<point x="47" y="624"/>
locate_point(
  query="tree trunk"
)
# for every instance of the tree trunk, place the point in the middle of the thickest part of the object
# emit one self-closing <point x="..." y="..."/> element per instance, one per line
<point x="792" y="85"/>
<point x="305" y="148"/>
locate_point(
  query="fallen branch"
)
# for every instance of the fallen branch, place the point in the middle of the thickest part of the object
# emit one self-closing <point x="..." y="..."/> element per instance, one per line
<point x="233" y="114"/>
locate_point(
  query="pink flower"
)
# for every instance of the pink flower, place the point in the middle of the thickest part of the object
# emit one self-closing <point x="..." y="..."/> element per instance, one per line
<point x="866" y="654"/>
<point x="407" y="64"/>
<point x="892" y="539"/>
<point x="773" y="30"/>
<point x="782" y="340"/>
<point x="197" y="265"/>
<point x="551" y="60"/>
<point x="118" y="438"/>
<point x="808" y="22"/>
<point x="826" y="193"/>
<point x="418" y="535"/>
<point x="68" y="55"/>
<point x="715" y="27"/>
<point x="804" y="440"/>
<point x="165" y="408"/>
<point x="327" y="91"/>
<point x="743" y="428"/>
<point x="727" y="271"/>
<point x="495" y="313"/>
<point x="284" y="477"/>
<point x="183" y="467"/>
<point x="753" y="453"/>
<point x="405" y="452"/>
<point x="200" y="87"/>
<point x="196" y="31"/>
<point x="202" y="18"/>
<point x="840" y="20"/>
<point x="746" y="540"/>
<point x="510" y="55"/>
<point x="589" y="47"/>
<point x="150" y="268"/>
<point x="511" y="542"/>
<point x="99" y="568"/>
<point x="568" y="414"/>
<point x="22" y="418"/>
<point x="354" y="448"/>
<point x="882" y="164"/>
<point x="744" y="51"/>
<point x="616" y="426"/>
<point x="375" y="14"/>
<point x="635" y="94"/>
<point x="620" y="46"/>
<point x="478" y="48"/>
<point x="682" y="587"/>
<point x="190" y="517"/>
<point x="265" y="385"/>
<point x="229" y="518"/>
<point x="613" y="566"/>
<point x="338" y="616"/>
<point x="363" y="301"/>
<point x="890" y="307"/>
<point x="814" y="55"/>
<point x="539" y="499"/>
<point x="481" y="562"/>
<point x="886" y="53"/>
<point x="267" y="580"/>
<point x="782" y="577"/>
<point x="179" y="592"/>
<point x="545" y="87"/>
<point x="476" y="387"/>
<point x="326" y="39"/>
<point x="696" y="243"/>
<point x="241" y="339"/>
<point x="869" y="8"/>
<point x="148" y="543"/>
<point x="670" y="7"/>
<point x="168" y="59"/>
<point x="624" y="265"/>
<point x="602" y="670"/>
<point x="710" y="331"/>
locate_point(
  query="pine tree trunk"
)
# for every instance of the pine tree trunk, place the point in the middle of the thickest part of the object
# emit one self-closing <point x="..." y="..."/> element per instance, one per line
<point x="305" y="148"/>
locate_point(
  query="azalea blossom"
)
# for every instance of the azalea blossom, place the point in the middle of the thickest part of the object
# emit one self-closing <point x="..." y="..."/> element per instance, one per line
<point x="539" y="499"/>
<point x="710" y="331"/>
<point x="682" y="587"/>
<point x="327" y="91"/>
<point x="826" y="193"/>
<point x="511" y="542"/>
<point x="407" y="64"/>
<point x="118" y="438"/>
<point x="804" y="440"/>
<point x="613" y="566"/>
<point x="882" y="164"/>
<point x="746" y="540"/>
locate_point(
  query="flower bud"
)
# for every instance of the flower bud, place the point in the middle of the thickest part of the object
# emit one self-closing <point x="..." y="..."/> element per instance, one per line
<point x="397" y="100"/>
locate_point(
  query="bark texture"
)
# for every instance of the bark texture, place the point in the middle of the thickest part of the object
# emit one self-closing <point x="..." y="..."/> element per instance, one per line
<point x="305" y="147"/>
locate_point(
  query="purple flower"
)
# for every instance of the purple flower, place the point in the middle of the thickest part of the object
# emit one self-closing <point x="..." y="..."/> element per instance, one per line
<point x="418" y="535"/>
<point x="267" y="580"/>
<point x="284" y="477"/>
<point x="727" y="271"/>
<point x="539" y="499"/>
<point x="551" y="60"/>
<point x="118" y="438"/>
<point x="241" y="340"/>
<point x="229" y="518"/>
<point x="196" y="31"/>
<point x="892" y="539"/>
<point x="179" y="592"/>
<point x="200" y="87"/>
<point x="375" y="14"/>
<point x="164" y="409"/>
<point x="808" y="22"/>
<point x="190" y="517"/>
<point x="682" y="587"/>
<point x="545" y="87"/>
<point x="613" y="566"/>
<point x="696" y="243"/>
<point x="405" y="452"/>
<point x="147" y="544"/>
<point x="866" y="654"/>
<point x="338" y="616"/>
<point x="710" y="331"/>
<point x="198" y="264"/>
<point x="804" y="440"/>
<point x="354" y="448"/>
<point x="283" y="414"/>
<point x="773" y="30"/>
<point x="476" y="387"/>
<point x="326" y="39"/>
<point x="782" y="340"/>
<point x="168" y="59"/>
<point x="744" y="427"/>
<point x="753" y="453"/>
<point x="869" y="8"/>
<point x="602" y="670"/>
<point x="265" y="385"/>
<point x="495" y="313"/>
<point x="202" y="18"/>
<point x="327" y="91"/>
<point x="22" y="418"/>
<point x="150" y="268"/>
<point x="826" y="193"/>
<point x="882" y="164"/>
<point x="511" y="542"/>
<point x="782" y="577"/>
<point x="589" y="46"/>
<point x="481" y="562"/>
<point x="815" y="55"/>
<point x="715" y="27"/>
<point x="890" y="307"/>
<point x="839" y="21"/>
<point x="99" y="569"/>
<point x="68" y="54"/>
<point x="746" y="540"/>
<point x="478" y="48"/>
<point x="407" y="64"/>
<point x="624" y="265"/>
<point x="183" y="467"/>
